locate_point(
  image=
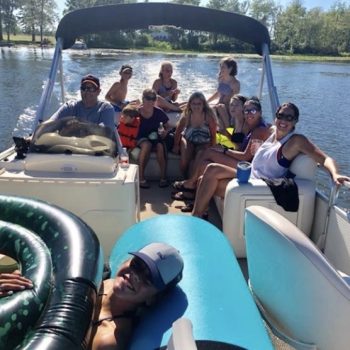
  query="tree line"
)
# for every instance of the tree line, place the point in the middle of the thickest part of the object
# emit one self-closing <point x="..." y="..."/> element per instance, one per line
<point x="293" y="28"/>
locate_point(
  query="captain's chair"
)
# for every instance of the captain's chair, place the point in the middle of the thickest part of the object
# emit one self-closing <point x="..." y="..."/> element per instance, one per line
<point x="256" y="192"/>
<point x="303" y="297"/>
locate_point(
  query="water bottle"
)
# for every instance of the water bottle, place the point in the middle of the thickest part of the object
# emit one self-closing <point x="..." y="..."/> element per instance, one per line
<point x="124" y="159"/>
<point x="160" y="128"/>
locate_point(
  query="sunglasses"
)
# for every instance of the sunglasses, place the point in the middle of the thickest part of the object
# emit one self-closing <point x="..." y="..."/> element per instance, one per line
<point x="141" y="269"/>
<point x="250" y="111"/>
<point x="286" y="117"/>
<point x="149" y="98"/>
<point x="88" y="88"/>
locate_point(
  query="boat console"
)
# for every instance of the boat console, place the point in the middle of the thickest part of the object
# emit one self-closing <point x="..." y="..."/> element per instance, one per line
<point x="74" y="165"/>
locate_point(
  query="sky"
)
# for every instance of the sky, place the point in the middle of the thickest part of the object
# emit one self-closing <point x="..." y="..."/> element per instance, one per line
<point x="325" y="4"/>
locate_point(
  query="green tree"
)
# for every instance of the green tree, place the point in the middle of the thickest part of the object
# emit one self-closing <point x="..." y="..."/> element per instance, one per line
<point x="7" y="17"/>
<point x="38" y="16"/>
<point x="289" y="33"/>
<point x="187" y="2"/>
<point x="71" y="5"/>
<point x="265" y="11"/>
<point x="47" y="17"/>
<point x="338" y="25"/>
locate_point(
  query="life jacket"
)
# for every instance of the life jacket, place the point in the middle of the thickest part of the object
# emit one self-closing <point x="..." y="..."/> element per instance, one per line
<point x="128" y="133"/>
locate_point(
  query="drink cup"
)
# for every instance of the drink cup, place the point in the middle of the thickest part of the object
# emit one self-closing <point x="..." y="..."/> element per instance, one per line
<point x="255" y="144"/>
<point x="243" y="171"/>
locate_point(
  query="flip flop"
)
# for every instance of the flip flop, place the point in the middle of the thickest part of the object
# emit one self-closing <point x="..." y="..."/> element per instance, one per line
<point x="144" y="184"/>
<point x="182" y="196"/>
<point x="180" y="186"/>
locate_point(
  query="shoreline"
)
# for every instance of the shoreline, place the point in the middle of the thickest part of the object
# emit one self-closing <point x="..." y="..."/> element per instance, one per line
<point x="310" y="58"/>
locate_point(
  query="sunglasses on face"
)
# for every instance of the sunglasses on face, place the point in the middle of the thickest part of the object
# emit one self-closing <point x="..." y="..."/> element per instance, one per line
<point x="286" y="117"/>
<point x="250" y="111"/>
<point x="141" y="269"/>
<point x="88" y="88"/>
<point x="149" y="98"/>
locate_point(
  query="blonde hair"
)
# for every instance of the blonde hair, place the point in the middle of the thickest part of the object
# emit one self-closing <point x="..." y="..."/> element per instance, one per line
<point x="163" y="65"/>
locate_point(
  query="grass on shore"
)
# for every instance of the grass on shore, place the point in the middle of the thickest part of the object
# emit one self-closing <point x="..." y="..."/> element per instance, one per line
<point x="25" y="39"/>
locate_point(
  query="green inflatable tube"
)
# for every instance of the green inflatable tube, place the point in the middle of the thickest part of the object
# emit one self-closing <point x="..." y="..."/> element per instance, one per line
<point x="21" y="311"/>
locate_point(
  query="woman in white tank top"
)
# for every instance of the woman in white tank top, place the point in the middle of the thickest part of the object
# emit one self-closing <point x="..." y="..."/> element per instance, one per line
<point x="273" y="158"/>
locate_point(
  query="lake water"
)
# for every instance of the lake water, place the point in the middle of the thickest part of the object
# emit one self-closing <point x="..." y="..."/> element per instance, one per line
<point x="319" y="89"/>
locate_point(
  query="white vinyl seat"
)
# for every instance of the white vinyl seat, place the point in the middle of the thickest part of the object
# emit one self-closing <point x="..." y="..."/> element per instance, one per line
<point x="256" y="192"/>
<point x="302" y="295"/>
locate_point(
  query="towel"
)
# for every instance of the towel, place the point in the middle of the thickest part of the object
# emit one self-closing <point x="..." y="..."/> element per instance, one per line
<point x="285" y="191"/>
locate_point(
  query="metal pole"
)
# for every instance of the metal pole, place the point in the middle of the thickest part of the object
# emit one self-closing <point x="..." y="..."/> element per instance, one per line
<point x="47" y="92"/>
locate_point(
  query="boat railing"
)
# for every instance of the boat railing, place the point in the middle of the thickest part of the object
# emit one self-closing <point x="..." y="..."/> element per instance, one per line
<point x="267" y="69"/>
<point x="332" y="201"/>
<point x="47" y="92"/>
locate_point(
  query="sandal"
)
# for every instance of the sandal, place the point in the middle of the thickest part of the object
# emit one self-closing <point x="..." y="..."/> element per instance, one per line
<point x="180" y="186"/>
<point x="182" y="196"/>
<point x="144" y="184"/>
<point x="163" y="183"/>
<point x="187" y="208"/>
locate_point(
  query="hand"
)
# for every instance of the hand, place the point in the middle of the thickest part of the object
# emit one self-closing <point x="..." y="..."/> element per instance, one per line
<point x="176" y="150"/>
<point x="162" y="134"/>
<point x="342" y="180"/>
<point x="13" y="282"/>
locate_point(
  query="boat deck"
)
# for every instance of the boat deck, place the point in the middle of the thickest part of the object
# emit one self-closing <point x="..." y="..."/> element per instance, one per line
<point x="157" y="201"/>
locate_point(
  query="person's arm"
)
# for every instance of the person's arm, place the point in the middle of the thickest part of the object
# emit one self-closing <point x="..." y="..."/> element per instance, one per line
<point x="213" y="97"/>
<point x="155" y="85"/>
<point x="66" y="110"/>
<point x="107" y="116"/>
<point x="13" y="282"/>
<point x="178" y="134"/>
<point x="301" y="144"/>
<point x="175" y="91"/>
<point x="261" y="133"/>
<point x="112" y="92"/>
<point x="236" y="87"/>
<point x="212" y="127"/>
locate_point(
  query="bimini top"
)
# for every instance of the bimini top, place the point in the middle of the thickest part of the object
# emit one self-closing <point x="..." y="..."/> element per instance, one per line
<point x="141" y="15"/>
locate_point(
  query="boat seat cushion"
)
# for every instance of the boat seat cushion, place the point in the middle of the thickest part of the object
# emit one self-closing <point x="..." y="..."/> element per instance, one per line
<point x="295" y="283"/>
<point x="256" y="192"/>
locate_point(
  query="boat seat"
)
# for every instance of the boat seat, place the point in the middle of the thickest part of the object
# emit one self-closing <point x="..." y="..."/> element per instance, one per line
<point x="302" y="296"/>
<point x="256" y="192"/>
<point x="152" y="171"/>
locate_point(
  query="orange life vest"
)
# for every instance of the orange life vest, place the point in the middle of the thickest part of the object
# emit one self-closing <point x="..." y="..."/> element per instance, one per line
<point x="128" y="133"/>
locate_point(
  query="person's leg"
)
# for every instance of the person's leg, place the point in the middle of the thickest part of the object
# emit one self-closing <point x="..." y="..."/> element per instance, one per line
<point x="145" y="151"/>
<point x="161" y="160"/>
<point x="210" y="155"/>
<point x="213" y="174"/>
<point x="223" y="118"/>
<point x="186" y="154"/>
<point x="166" y="105"/>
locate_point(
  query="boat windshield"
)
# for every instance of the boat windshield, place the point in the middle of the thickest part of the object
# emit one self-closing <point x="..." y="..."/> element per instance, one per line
<point x="71" y="136"/>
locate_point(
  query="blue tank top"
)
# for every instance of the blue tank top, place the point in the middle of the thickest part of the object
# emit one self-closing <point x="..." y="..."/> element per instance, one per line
<point x="224" y="90"/>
